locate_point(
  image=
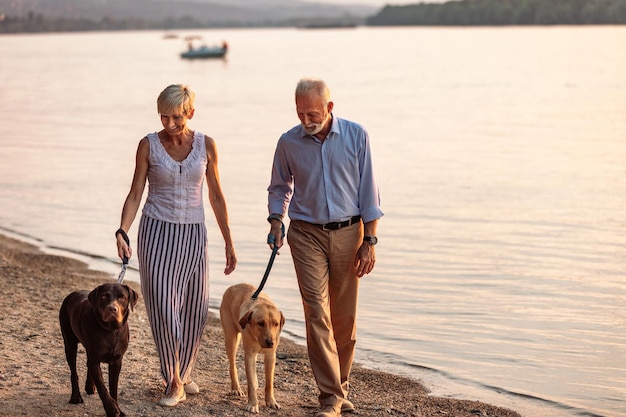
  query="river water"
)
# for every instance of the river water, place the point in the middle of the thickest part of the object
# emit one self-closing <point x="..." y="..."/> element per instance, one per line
<point x="500" y="153"/>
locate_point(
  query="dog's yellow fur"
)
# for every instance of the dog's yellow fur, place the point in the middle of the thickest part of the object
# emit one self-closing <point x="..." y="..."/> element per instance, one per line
<point x="259" y="322"/>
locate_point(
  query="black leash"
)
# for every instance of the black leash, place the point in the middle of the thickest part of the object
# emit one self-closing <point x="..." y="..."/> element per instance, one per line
<point x="270" y="240"/>
<point x="120" y="277"/>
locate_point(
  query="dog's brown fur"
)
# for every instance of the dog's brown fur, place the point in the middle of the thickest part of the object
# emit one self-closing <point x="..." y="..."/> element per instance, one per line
<point x="98" y="320"/>
<point x="259" y="322"/>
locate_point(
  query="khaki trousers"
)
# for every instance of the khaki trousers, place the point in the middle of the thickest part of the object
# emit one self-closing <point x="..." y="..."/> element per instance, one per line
<point x="324" y="262"/>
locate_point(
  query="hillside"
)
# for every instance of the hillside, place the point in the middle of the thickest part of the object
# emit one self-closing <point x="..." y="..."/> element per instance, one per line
<point x="86" y="15"/>
<point x="142" y="14"/>
<point x="503" y="12"/>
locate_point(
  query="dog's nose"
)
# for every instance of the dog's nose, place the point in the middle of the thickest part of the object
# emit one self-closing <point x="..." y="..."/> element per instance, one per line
<point x="112" y="308"/>
<point x="269" y="343"/>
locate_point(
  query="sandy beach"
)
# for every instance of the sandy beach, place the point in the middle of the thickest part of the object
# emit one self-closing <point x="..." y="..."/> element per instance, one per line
<point x="35" y="378"/>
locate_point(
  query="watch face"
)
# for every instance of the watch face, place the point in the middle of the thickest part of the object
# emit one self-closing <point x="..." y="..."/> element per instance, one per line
<point x="372" y="240"/>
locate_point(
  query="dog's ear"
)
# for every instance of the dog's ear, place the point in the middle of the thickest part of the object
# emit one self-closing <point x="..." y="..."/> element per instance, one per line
<point x="93" y="297"/>
<point x="282" y="320"/>
<point x="245" y="319"/>
<point x="132" y="297"/>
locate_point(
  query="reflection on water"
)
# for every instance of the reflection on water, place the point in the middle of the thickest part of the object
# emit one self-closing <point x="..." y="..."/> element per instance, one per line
<point x="500" y="156"/>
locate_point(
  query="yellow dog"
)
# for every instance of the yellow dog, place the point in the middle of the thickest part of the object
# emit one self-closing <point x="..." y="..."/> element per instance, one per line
<point x="260" y="323"/>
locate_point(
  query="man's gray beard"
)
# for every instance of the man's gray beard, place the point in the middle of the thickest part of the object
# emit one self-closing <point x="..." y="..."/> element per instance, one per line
<point x="318" y="128"/>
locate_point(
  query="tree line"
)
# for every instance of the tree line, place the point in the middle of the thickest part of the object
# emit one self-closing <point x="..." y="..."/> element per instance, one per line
<point x="504" y="12"/>
<point x="38" y="23"/>
<point x="451" y="13"/>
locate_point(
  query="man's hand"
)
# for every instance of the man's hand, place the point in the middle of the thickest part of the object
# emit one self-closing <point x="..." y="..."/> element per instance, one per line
<point x="365" y="260"/>
<point x="276" y="236"/>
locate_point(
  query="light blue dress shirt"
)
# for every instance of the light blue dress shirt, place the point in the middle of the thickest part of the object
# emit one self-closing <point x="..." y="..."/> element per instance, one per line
<point x="322" y="182"/>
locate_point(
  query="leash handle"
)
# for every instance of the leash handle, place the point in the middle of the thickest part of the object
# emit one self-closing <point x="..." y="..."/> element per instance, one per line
<point x="121" y="231"/>
<point x="271" y="240"/>
<point x="120" y="277"/>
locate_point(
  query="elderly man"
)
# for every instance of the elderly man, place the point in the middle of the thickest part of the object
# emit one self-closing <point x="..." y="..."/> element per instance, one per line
<point x="323" y="176"/>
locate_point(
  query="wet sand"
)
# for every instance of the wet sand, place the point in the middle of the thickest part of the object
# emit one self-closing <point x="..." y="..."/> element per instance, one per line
<point x="35" y="378"/>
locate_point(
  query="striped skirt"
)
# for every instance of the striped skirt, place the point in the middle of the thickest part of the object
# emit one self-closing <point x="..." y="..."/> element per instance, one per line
<point x="173" y="271"/>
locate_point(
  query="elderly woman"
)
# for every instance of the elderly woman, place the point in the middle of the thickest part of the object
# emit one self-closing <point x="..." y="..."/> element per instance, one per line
<point x="172" y="237"/>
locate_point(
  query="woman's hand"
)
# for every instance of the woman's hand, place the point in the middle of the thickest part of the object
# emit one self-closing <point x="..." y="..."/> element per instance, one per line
<point x="123" y="249"/>
<point x="231" y="260"/>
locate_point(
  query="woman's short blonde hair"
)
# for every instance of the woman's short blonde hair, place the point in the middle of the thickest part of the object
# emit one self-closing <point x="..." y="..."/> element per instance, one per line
<point x="176" y="98"/>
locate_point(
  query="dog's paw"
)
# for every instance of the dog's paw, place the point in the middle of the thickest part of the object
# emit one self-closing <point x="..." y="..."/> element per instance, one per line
<point x="271" y="403"/>
<point x="253" y="408"/>
<point x="237" y="392"/>
<point x="90" y="388"/>
<point x="112" y="410"/>
<point x="76" y="399"/>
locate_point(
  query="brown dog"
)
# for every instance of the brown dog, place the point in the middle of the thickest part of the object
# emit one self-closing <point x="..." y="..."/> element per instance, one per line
<point x="98" y="320"/>
<point x="259" y="322"/>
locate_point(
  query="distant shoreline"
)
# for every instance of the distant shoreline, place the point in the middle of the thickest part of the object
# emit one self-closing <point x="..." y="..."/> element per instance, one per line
<point x="80" y="28"/>
<point x="458" y="13"/>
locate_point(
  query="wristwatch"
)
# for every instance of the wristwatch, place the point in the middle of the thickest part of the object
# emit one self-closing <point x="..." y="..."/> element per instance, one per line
<point x="372" y="240"/>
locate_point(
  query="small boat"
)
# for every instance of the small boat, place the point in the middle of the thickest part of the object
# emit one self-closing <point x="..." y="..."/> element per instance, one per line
<point x="205" y="52"/>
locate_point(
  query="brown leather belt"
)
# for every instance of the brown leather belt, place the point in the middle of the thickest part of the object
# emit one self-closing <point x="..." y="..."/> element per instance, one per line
<point x="338" y="225"/>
